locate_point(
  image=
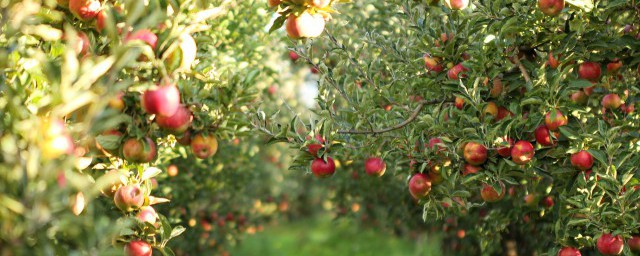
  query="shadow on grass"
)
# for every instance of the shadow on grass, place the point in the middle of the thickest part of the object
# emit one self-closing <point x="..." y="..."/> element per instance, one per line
<point x="321" y="236"/>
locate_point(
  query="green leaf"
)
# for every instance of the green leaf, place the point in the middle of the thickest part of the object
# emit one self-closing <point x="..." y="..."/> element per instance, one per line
<point x="109" y="142"/>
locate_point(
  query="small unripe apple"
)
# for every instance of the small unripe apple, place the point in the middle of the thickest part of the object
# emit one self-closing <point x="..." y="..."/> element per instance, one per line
<point x="582" y="160"/>
<point x="138" y="248"/>
<point x="129" y="198"/>
<point x="204" y="146"/>
<point x="634" y="243"/>
<point x="590" y="71"/>
<point x="489" y="194"/>
<point x="522" y="152"/>
<point x="611" y="101"/>
<point x="305" y="26"/>
<point x="457" y="72"/>
<point x="579" y="97"/>
<point x="163" y="100"/>
<point x="459" y="102"/>
<point x="505" y="150"/>
<point x="610" y="245"/>
<point x="470" y="169"/>
<point x="84" y="10"/>
<point x="54" y="139"/>
<point x="491" y="109"/>
<point x="139" y="151"/>
<point x="543" y="136"/>
<point x="147" y="214"/>
<point x="322" y="169"/>
<point x="433" y="63"/>
<point x="456" y="4"/>
<point x="569" y="251"/>
<point x="551" y="7"/>
<point x="419" y="185"/>
<point x="628" y="109"/>
<point x="475" y="153"/>
<point x="375" y="166"/>
<point x="178" y="123"/>
<point x="172" y="170"/>
<point x="554" y="119"/>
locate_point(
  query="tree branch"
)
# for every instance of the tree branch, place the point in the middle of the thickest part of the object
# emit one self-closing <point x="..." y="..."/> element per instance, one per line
<point x="404" y="123"/>
<point x="523" y="70"/>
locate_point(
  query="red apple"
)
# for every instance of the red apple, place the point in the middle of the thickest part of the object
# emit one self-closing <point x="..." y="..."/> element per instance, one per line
<point x="456" y="4"/>
<point x="610" y="245"/>
<point x="547" y="201"/>
<point x="611" y="101"/>
<point x="84" y="10"/>
<point x="138" y="248"/>
<point x="569" y="251"/>
<point x="129" y="198"/>
<point x="433" y="63"/>
<point x="178" y="123"/>
<point x="314" y="148"/>
<point x="304" y="26"/>
<point x="419" y="185"/>
<point x="322" y="169"/>
<point x="475" y="153"/>
<point x="185" y="139"/>
<point x="489" y="194"/>
<point x="628" y="108"/>
<point x="582" y="160"/>
<point x="172" y="170"/>
<point x="634" y="243"/>
<point x="543" y="136"/>
<point x="531" y="200"/>
<point x="503" y="113"/>
<point x="555" y="119"/>
<point x="589" y="90"/>
<point x="273" y="3"/>
<point x="470" y="169"/>
<point x="145" y="36"/>
<point x="589" y="71"/>
<point x="293" y="56"/>
<point x="459" y="102"/>
<point x="551" y="7"/>
<point x="139" y="150"/>
<point x="163" y="100"/>
<point x="553" y="62"/>
<point x="614" y="66"/>
<point x="375" y="166"/>
<point x="204" y="146"/>
<point x="433" y="142"/>
<point x="147" y="214"/>
<point x="457" y="72"/>
<point x="505" y="151"/>
<point x="522" y="152"/>
<point x="579" y="97"/>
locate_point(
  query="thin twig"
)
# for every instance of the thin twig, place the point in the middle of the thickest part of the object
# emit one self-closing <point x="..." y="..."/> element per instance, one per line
<point x="411" y="118"/>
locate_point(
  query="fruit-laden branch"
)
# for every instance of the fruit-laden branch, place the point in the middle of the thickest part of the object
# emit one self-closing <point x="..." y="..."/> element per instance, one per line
<point x="411" y="118"/>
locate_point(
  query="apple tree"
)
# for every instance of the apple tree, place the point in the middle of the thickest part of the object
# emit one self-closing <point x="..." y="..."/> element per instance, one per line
<point x="510" y="124"/>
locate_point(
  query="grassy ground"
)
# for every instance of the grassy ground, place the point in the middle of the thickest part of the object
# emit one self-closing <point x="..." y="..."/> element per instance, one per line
<point x="320" y="237"/>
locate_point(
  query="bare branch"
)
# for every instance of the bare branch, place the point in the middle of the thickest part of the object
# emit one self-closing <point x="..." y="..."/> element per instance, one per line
<point x="523" y="70"/>
<point x="404" y="123"/>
